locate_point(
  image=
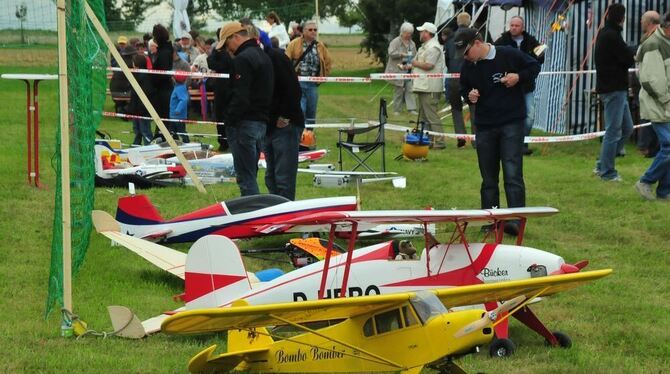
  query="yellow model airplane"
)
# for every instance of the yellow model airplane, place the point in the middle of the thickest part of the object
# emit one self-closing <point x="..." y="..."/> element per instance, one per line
<point x="396" y="332"/>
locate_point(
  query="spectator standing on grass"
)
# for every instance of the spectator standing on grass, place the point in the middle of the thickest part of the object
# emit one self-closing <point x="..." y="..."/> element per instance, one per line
<point x="249" y="107"/>
<point x="647" y="142"/>
<point x="310" y="58"/>
<point x="278" y="30"/>
<point x="654" y="55"/>
<point x="179" y="107"/>
<point x="517" y="37"/>
<point x="119" y="86"/>
<point x="429" y="60"/>
<point x="220" y="61"/>
<point x="282" y="138"/>
<point x="401" y="52"/>
<point x="186" y="45"/>
<point x="454" y="61"/>
<point x="162" y="60"/>
<point x="141" y="127"/>
<point x="613" y="59"/>
<point x="492" y="78"/>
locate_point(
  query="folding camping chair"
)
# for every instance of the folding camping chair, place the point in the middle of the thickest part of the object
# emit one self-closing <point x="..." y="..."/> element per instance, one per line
<point x="362" y="151"/>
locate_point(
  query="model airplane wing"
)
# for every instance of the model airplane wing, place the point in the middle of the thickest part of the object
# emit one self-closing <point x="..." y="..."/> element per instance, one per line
<point x="165" y="258"/>
<point x="530" y="288"/>
<point x="420" y="216"/>
<point x="245" y="316"/>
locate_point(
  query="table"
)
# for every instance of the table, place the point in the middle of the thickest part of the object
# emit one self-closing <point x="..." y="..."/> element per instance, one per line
<point x="33" y="133"/>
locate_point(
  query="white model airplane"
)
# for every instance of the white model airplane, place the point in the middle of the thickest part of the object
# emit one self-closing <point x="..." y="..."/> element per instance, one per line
<point x="215" y="275"/>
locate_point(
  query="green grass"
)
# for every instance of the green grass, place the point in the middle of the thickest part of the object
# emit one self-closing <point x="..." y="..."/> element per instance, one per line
<point x="617" y="324"/>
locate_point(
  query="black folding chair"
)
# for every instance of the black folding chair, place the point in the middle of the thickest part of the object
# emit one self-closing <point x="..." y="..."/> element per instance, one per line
<point x="362" y="151"/>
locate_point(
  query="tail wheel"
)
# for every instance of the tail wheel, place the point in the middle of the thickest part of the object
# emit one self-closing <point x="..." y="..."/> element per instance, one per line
<point x="501" y="348"/>
<point x="563" y="339"/>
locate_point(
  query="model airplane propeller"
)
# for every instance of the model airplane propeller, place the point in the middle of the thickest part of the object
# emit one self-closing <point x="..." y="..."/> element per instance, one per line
<point x="489" y="317"/>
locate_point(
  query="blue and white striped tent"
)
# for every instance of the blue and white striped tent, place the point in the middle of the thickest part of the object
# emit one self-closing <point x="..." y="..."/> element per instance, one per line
<point x="563" y="103"/>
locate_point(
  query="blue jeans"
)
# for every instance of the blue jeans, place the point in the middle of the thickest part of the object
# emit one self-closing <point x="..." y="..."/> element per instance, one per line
<point x="245" y="139"/>
<point x="308" y="101"/>
<point x="496" y="145"/>
<point x="142" y="131"/>
<point x="659" y="170"/>
<point x="529" y="97"/>
<point x="618" y="127"/>
<point x="281" y="156"/>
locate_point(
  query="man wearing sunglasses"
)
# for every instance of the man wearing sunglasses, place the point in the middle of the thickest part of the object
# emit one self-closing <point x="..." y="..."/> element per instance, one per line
<point x="492" y="77"/>
<point x="310" y="59"/>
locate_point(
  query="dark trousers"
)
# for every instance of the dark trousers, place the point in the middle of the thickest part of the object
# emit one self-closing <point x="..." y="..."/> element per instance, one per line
<point x="281" y="155"/>
<point x="496" y="145"/>
<point x="245" y="140"/>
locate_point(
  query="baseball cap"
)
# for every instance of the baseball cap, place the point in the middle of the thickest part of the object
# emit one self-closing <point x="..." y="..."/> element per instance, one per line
<point x="464" y="38"/>
<point x="187" y="36"/>
<point x="122" y="40"/>
<point x="228" y="30"/>
<point x="427" y="26"/>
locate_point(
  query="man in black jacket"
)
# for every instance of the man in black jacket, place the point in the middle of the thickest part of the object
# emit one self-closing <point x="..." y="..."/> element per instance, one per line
<point x="249" y="110"/>
<point x="220" y="61"/>
<point x="613" y="59"/>
<point x="492" y="78"/>
<point x="517" y="37"/>
<point x="282" y="139"/>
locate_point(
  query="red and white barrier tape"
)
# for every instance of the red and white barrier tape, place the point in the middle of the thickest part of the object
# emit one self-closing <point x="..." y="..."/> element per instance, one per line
<point x="407" y="76"/>
<point x="173" y="72"/>
<point x="527" y="139"/>
<point x="335" y="79"/>
<point x="132" y="116"/>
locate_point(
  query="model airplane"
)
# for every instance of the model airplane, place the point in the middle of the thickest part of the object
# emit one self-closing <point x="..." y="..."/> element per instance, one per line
<point x="238" y="218"/>
<point x="214" y="267"/>
<point x="114" y="170"/>
<point x="404" y="331"/>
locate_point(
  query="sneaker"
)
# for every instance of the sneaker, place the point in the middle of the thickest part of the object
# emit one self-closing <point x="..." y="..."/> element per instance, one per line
<point x="527" y="152"/>
<point x="616" y="179"/>
<point x="665" y="199"/>
<point x="645" y="190"/>
<point x="596" y="172"/>
<point x="512" y="228"/>
<point x="413" y="112"/>
<point x="461" y="143"/>
<point x="396" y="114"/>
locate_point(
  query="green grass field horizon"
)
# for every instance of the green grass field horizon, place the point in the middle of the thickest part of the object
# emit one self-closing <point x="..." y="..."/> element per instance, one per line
<point x="616" y="324"/>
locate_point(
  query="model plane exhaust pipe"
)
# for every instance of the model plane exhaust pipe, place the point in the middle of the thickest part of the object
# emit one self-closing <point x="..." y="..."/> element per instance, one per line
<point x="490" y="317"/>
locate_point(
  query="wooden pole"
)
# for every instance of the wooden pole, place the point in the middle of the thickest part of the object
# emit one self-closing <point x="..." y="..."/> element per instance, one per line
<point x="152" y="112"/>
<point x="65" y="156"/>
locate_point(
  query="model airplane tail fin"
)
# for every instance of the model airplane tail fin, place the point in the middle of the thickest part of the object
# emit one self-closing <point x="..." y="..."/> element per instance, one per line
<point x="137" y="210"/>
<point x="215" y="274"/>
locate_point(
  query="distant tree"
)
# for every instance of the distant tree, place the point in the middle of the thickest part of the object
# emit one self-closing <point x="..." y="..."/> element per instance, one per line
<point x="134" y="11"/>
<point x="113" y="15"/>
<point x="287" y="10"/>
<point x="198" y="11"/>
<point x="381" y="22"/>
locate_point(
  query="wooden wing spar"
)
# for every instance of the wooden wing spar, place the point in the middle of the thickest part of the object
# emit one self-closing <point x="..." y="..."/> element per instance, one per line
<point x="237" y="317"/>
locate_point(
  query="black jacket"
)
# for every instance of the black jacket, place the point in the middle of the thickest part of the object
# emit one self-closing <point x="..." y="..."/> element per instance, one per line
<point x="528" y="44"/>
<point x="252" y="85"/>
<point x="162" y="61"/>
<point x="287" y="93"/>
<point x="453" y="58"/>
<point x="135" y="105"/>
<point x="613" y="59"/>
<point x="221" y="62"/>
<point x="497" y="104"/>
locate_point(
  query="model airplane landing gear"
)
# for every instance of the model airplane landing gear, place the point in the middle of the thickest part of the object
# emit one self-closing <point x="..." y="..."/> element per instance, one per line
<point x="563" y="340"/>
<point x="501" y="348"/>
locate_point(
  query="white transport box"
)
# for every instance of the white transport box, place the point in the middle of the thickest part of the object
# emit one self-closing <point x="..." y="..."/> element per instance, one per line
<point x="328" y="180"/>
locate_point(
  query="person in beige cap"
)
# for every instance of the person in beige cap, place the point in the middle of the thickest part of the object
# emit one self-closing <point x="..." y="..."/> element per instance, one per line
<point x="252" y="84"/>
<point x="429" y="60"/>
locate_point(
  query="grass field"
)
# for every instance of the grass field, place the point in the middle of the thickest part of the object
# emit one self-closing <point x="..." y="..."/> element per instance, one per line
<point x="617" y="325"/>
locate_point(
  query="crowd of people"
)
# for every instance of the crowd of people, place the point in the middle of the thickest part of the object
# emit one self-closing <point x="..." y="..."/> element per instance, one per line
<point x="265" y="107"/>
<point x="261" y="107"/>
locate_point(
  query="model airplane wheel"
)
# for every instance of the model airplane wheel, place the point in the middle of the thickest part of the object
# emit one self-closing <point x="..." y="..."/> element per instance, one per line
<point x="563" y="339"/>
<point x="501" y="348"/>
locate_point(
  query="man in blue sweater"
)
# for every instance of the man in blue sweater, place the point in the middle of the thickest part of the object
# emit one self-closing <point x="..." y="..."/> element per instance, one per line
<point x="492" y="77"/>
